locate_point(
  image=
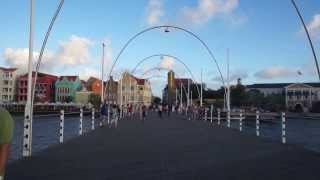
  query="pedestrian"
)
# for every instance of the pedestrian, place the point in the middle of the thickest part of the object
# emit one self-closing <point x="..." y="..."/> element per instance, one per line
<point x="130" y="110"/>
<point x="6" y="134"/>
<point x="144" y="113"/>
<point x="114" y="117"/>
<point x="103" y="113"/>
<point x="160" y="110"/>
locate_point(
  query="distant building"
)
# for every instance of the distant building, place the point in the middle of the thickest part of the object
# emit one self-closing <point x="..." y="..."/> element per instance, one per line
<point x="134" y="90"/>
<point x="66" y="88"/>
<point x="176" y="88"/>
<point x="171" y="88"/>
<point x="7" y="84"/>
<point x="44" y="91"/>
<point x="82" y="97"/>
<point x="297" y="95"/>
<point x="111" y="91"/>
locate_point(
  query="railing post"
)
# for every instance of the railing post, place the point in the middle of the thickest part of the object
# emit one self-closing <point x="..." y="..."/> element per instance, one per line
<point x="61" y="126"/>
<point x="211" y="114"/>
<point x="218" y="116"/>
<point x="240" y="121"/>
<point x="228" y="119"/>
<point x="205" y="114"/>
<point x="80" y="123"/>
<point x="258" y="123"/>
<point x="283" y="117"/>
<point x="92" y="119"/>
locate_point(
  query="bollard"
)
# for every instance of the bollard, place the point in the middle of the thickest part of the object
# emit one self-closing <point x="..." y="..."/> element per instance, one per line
<point x="61" y="126"/>
<point x="284" y="139"/>
<point x="205" y="114"/>
<point x="92" y="119"/>
<point x="218" y="116"/>
<point x="257" y="123"/>
<point x="211" y="113"/>
<point x="228" y="118"/>
<point x="240" y="121"/>
<point x="80" y="123"/>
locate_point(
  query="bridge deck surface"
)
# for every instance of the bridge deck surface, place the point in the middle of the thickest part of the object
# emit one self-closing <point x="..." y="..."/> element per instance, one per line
<point x="168" y="148"/>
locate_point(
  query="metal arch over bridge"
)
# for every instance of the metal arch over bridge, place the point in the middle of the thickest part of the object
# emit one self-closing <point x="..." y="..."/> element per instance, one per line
<point x="167" y="30"/>
<point x="171" y="56"/>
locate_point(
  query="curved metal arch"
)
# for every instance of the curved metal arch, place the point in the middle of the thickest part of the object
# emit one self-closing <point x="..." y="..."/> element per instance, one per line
<point x="174" y="27"/>
<point x="308" y="36"/>
<point x="168" y="55"/>
<point x="166" y="69"/>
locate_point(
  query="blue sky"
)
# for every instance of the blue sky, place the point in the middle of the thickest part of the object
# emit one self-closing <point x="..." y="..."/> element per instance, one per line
<point x="265" y="38"/>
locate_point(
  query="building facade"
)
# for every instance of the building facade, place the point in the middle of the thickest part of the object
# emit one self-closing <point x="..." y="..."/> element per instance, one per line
<point x="176" y="91"/>
<point x="134" y="90"/>
<point x="7" y="84"/>
<point x="66" y="88"/>
<point x="298" y="96"/>
<point x="44" y="89"/>
<point x="171" y="88"/>
<point x="111" y="91"/>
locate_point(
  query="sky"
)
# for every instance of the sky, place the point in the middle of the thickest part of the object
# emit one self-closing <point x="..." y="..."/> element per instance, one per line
<point x="265" y="38"/>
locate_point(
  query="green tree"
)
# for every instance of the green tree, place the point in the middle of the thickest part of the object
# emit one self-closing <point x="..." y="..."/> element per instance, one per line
<point x="95" y="100"/>
<point x="156" y="100"/>
<point x="255" y="98"/>
<point x="275" y="102"/>
<point x="238" y="95"/>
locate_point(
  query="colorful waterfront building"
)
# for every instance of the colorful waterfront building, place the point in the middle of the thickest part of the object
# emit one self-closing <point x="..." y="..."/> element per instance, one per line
<point x="66" y="88"/>
<point x="134" y="90"/>
<point x="44" y="91"/>
<point x="7" y="84"/>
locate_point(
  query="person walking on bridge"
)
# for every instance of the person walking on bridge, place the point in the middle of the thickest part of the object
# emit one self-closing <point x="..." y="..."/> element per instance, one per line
<point x="104" y="114"/>
<point x="6" y="134"/>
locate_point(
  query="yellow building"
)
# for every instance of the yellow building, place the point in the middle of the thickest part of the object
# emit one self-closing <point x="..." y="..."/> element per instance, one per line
<point x="134" y="90"/>
<point x="82" y="97"/>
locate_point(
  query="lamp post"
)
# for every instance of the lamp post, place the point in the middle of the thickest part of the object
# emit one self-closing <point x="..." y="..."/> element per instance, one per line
<point x="28" y="118"/>
<point x="27" y="141"/>
<point x="201" y="100"/>
<point x="102" y="69"/>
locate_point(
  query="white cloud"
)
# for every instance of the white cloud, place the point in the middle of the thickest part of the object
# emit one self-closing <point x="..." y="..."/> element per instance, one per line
<point x="167" y="62"/>
<point x="86" y="73"/>
<point x="208" y="9"/>
<point x="314" y="26"/>
<point x="74" y="51"/>
<point x="155" y="12"/>
<point x="19" y="58"/>
<point x="276" y="72"/>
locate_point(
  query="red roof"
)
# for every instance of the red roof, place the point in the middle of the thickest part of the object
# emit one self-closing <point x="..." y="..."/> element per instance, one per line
<point x="8" y="69"/>
<point x="70" y="78"/>
<point x="139" y="81"/>
<point x="182" y="80"/>
<point x="40" y="75"/>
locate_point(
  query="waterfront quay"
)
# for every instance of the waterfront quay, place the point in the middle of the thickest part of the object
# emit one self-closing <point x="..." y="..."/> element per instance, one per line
<point x="168" y="148"/>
